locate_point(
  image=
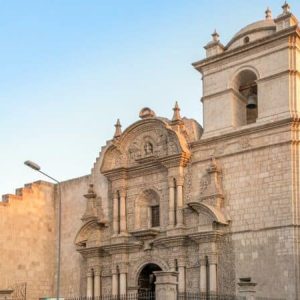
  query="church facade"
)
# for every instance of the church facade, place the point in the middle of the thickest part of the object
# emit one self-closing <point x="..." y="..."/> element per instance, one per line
<point x="219" y="205"/>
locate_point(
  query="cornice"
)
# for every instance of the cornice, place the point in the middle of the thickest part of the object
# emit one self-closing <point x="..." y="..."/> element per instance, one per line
<point x="176" y="160"/>
<point x="145" y="234"/>
<point x="206" y="237"/>
<point x="121" y="248"/>
<point x="115" y="174"/>
<point x="224" y="92"/>
<point x="226" y="54"/>
<point x="279" y="74"/>
<point x="244" y="131"/>
<point x="247" y="59"/>
<point x="149" y="166"/>
<point x="90" y="252"/>
<point x="171" y="241"/>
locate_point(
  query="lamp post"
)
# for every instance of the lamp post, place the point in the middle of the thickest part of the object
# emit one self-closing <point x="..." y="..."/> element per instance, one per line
<point x="37" y="168"/>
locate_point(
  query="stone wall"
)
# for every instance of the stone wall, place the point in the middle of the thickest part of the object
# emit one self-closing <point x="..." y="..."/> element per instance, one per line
<point x="73" y="206"/>
<point x="257" y="182"/>
<point x="27" y="239"/>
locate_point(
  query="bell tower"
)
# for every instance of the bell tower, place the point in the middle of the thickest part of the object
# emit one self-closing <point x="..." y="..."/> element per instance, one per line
<point x="254" y="79"/>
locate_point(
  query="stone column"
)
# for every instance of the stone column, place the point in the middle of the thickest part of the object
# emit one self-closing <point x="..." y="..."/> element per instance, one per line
<point x="116" y="214"/>
<point x="171" y="203"/>
<point x="202" y="275"/>
<point x="97" y="282"/>
<point x="123" y="225"/>
<point x="166" y="285"/>
<point x="89" y="284"/>
<point x="181" y="279"/>
<point x="212" y="273"/>
<point x="179" y="211"/>
<point x="115" y="283"/>
<point x="123" y="284"/>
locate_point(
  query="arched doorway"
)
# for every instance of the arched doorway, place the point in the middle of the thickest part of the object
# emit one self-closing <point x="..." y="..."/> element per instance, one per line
<point x="146" y="281"/>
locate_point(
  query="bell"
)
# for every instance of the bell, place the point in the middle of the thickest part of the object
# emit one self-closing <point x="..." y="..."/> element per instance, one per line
<point x="252" y="101"/>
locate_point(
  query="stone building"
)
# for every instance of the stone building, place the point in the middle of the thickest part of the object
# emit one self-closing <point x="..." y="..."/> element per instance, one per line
<point x="215" y="204"/>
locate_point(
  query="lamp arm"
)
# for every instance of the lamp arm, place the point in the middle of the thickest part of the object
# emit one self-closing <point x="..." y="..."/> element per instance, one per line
<point x="49" y="176"/>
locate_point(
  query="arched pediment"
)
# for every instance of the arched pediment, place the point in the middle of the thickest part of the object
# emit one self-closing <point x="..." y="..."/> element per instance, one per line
<point x="86" y="232"/>
<point x="212" y="213"/>
<point x="150" y="139"/>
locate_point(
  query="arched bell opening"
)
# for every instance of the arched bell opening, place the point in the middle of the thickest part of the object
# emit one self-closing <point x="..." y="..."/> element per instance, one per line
<point x="146" y="280"/>
<point x="245" y="84"/>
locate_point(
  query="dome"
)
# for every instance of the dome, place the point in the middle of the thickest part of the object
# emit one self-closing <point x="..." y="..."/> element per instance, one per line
<point x="252" y="32"/>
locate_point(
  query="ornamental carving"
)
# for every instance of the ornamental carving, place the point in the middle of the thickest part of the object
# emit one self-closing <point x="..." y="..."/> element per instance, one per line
<point x="93" y="209"/>
<point x="211" y="190"/>
<point x="150" y="140"/>
<point x="204" y="183"/>
<point x="244" y="142"/>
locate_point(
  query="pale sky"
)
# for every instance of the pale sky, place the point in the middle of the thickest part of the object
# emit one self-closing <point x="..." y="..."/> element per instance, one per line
<point x="70" y="68"/>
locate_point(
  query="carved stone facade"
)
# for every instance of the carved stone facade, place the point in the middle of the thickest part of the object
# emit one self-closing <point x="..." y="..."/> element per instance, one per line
<point x="217" y="208"/>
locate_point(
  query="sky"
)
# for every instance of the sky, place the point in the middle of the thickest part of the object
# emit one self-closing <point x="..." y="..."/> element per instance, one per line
<point x="70" y="68"/>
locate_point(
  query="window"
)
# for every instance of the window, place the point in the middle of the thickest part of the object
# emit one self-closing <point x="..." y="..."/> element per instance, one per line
<point x="155" y="216"/>
<point x="246" y="40"/>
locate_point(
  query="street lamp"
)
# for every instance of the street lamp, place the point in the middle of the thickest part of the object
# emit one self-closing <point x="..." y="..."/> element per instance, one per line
<point x="37" y="168"/>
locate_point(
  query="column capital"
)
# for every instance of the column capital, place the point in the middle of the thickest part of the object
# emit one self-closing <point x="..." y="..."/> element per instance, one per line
<point x="202" y="261"/>
<point x="115" y="269"/>
<point x="115" y="194"/>
<point x="171" y="183"/>
<point x="97" y="271"/>
<point x="212" y="259"/>
<point x="123" y="267"/>
<point x="179" y="180"/>
<point x="119" y="191"/>
<point x="122" y="192"/>
<point x="89" y="273"/>
<point x="181" y="261"/>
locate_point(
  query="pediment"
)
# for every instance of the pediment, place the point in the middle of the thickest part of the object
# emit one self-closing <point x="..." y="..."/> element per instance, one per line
<point x="87" y="234"/>
<point x="150" y="140"/>
<point x="208" y="214"/>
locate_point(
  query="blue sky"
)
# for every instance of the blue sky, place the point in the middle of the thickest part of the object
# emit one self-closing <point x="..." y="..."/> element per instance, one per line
<point x="70" y="68"/>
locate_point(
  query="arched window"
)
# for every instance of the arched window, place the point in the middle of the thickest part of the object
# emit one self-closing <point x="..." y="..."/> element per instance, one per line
<point x="245" y="84"/>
